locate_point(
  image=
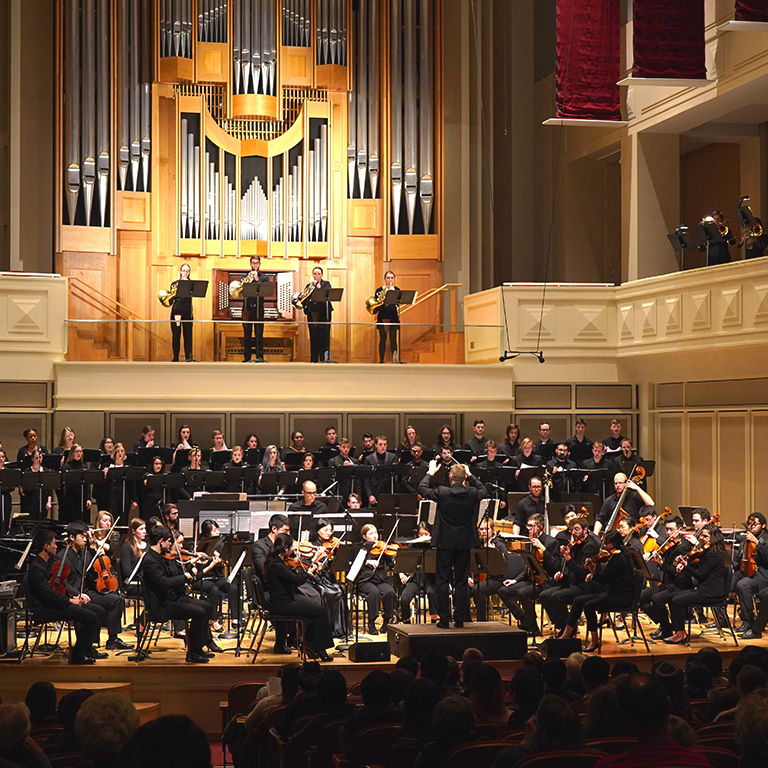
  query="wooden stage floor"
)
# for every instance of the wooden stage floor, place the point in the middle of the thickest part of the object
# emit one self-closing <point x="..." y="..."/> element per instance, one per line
<point x="197" y="689"/>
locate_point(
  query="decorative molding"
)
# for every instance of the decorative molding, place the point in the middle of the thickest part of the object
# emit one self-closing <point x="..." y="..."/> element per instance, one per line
<point x="674" y="308"/>
<point x="761" y="303"/>
<point x="534" y="317"/>
<point x="27" y="314"/>
<point x="702" y="319"/>
<point x="594" y="321"/>
<point x="732" y="314"/>
<point x="626" y="323"/>
<point x="649" y="317"/>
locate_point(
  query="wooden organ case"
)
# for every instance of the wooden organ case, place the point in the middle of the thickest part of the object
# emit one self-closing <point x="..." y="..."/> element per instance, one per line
<point x="308" y="132"/>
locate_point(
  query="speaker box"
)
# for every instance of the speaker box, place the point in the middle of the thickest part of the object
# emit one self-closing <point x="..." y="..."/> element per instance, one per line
<point x="367" y="652"/>
<point x="561" y="649"/>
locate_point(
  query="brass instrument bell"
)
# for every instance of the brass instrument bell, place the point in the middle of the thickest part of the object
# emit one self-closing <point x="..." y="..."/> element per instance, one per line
<point x="166" y="298"/>
<point x="299" y="297"/>
<point x="372" y="303"/>
<point x="236" y="286"/>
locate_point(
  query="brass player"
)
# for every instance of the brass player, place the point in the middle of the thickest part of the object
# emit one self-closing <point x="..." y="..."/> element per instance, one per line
<point x="318" y="319"/>
<point x="253" y="315"/>
<point x="388" y="317"/>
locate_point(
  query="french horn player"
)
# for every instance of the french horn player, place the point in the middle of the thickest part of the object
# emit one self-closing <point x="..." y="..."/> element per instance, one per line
<point x="388" y="316"/>
<point x="181" y="316"/>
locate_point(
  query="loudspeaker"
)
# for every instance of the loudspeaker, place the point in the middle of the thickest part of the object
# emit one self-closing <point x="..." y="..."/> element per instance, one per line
<point x="369" y="652"/>
<point x="561" y="649"/>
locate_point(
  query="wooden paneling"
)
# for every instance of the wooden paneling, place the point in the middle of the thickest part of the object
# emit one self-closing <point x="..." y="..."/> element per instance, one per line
<point x="759" y="475"/>
<point x="255" y="106"/>
<point x="88" y="427"/>
<point x="295" y="66"/>
<point x="670" y="395"/>
<point x="202" y="425"/>
<point x="269" y="427"/>
<point x="733" y="467"/>
<point x="542" y="396"/>
<point x="212" y="62"/>
<point x="24" y="394"/>
<point x="365" y="218"/>
<point x="133" y="211"/>
<point x="12" y="427"/>
<point x="529" y="426"/>
<point x="726" y="392"/>
<point x="377" y="424"/>
<point x="670" y="459"/>
<point x="126" y="428"/>
<point x="313" y="427"/>
<point x="619" y="396"/>
<point x="428" y="425"/>
<point x="701" y="476"/>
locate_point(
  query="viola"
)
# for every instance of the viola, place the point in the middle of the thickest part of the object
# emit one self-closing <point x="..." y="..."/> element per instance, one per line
<point x="748" y="564"/>
<point x="106" y="581"/>
<point x="602" y="557"/>
<point x="382" y="547"/>
<point x="58" y="581"/>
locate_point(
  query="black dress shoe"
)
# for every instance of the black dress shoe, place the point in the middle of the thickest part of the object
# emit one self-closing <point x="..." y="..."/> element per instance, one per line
<point x="443" y="625"/>
<point x="751" y="634"/>
<point x="81" y="658"/>
<point x="207" y="654"/>
<point x="670" y="641"/>
<point x="118" y="645"/>
<point x="324" y="657"/>
<point x="196" y="658"/>
<point x="215" y="648"/>
<point x="281" y="649"/>
<point x="94" y="653"/>
<point x="458" y="624"/>
<point x="743" y="627"/>
<point x="372" y="629"/>
<point x="657" y="635"/>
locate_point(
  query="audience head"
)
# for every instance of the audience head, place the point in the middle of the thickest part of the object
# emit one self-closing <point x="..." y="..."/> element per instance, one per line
<point x="409" y="663"/>
<point x="681" y="732"/>
<point x="69" y="706"/>
<point x="468" y="670"/>
<point x="712" y="658"/>
<point x="750" y="680"/>
<point x="289" y="681"/>
<point x="553" y="673"/>
<point x="104" y="724"/>
<point x="15" y="724"/>
<point x="376" y="689"/>
<point x="169" y="740"/>
<point x="595" y="671"/>
<point x="419" y="704"/>
<point x="309" y="673"/>
<point x="751" y="729"/>
<point x="644" y="703"/>
<point x="623" y="667"/>
<point x="486" y="694"/>
<point x="399" y="682"/>
<point x="527" y="688"/>
<point x="471" y="654"/>
<point x="453" y="720"/>
<point x="573" y="667"/>
<point x="698" y="678"/>
<point x="434" y="667"/>
<point x="557" y="726"/>
<point x="41" y="702"/>
<point x="670" y="676"/>
<point x="331" y="689"/>
<point x="534" y="659"/>
<point x="602" y="716"/>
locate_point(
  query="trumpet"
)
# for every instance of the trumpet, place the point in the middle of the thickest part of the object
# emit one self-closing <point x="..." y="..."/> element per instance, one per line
<point x="166" y="298"/>
<point x="372" y="303"/>
<point x="298" y="298"/>
<point x="722" y="226"/>
<point x="236" y="286"/>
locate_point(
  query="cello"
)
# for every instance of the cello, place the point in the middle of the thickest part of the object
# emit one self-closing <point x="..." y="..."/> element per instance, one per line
<point x="748" y="564"/>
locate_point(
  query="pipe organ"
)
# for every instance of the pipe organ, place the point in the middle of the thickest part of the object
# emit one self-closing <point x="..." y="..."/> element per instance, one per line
<point x="210" y="130"/>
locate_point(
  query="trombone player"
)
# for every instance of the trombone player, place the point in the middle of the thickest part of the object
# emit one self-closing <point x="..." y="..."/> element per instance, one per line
<point x="718" y="253"/>
<point x="253" y="315"/>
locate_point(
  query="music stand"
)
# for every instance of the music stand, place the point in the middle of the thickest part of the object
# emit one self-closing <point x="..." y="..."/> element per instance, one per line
<point x="41" y="481"/>
<point x="82" y="477"/>
<point x="218" y="459"/>
<point x="165" y="481"/>
<point x="9" y="479"/>
<point x="52" y="461"/>
<point x="206" y="477"/>
<point x="682" y="240"/>
<point x="460" y="456"/>
<point x="324" y="455"/>
<point x="191" y="289"/>
<point x="259" y="290"/>
<point x="147" y="455"/>
<point x="294" y="458"/>
<point x="324" y="295"/>
<point x="414" y="562"/>
<point x="254" y="456"/>
<point x="123" y="475"/>
<point x="391" y="471"/>
<point x="398" y="504"/>
<point x="238" y="554"/>
<point x="527" y="473"/>
<point x="400" y="298"/>
<point x="630" y="465"/>
<point x="536" y="571"/>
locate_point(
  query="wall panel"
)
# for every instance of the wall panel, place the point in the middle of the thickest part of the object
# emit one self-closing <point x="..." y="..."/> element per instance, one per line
<point x="88" y="427"/>
<point x="270" y="428"/>
<point x="759" y="475"/>
<point x="201" y="424"/>
<point x="389" y="425"/>
<point x="670" y="461"/>
<point x="428" y="425"/>
<point x="733" y="469"/>
<point x="313" y="426"/>
<point x="126" y="428"/>
<point x="701" y="478"/>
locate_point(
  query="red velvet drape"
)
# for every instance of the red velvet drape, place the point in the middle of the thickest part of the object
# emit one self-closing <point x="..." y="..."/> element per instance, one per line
<point x="751" y="10"/>
<point x="669" y="38"/>
<point x="588" y="59"/>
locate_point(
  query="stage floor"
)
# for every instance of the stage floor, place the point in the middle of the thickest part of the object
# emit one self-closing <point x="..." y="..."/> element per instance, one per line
<point x="197" y="689"/>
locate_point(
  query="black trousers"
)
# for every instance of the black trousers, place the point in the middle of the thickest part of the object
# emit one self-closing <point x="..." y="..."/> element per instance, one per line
<point x="646" y="602"/>
<point x="213" y="589"/>
<point x="256" y="331"/>
<point x="112" y="606"/>
<point x="198" y="613"/>
<point x="746" y="588"/>
<point x="452" y="567"/>
<point x="411" y="589"/>
<point x="319" y="339"/>
<point x="481" y="592"/>
<point x="318" y="629"/>
<point x="176" y="331"/>
<point x="557" y="599"/>
<point x="375" y="592"/>
<point x="590" y="605"/>
<point x="519" y="599"/>
<point x="87" y="620"/>
<point x="394" y="328"/>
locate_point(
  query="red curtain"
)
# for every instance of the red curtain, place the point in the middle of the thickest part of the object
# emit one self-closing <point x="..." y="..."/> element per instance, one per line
<point x="588" y="59"/>
<point x="669" y="38"/>
<point x="751" y="10"/>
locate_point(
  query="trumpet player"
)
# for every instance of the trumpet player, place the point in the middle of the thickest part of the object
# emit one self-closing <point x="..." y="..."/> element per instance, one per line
<point x="253" y="315"/>
<point x="181" y="318"/>
<point x="318" y="319"/>
<point x="718" y="253"/>
<point x="388" y="317"/>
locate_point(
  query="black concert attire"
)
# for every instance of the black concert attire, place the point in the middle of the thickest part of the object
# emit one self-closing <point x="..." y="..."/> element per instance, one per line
<point x="235" y="486"/>
<point x="523" y="462"/>
<point x="754" y="247"/>
<point x="48" y="605"/>
<point x="253" y="322"/>
<point x="151" y="499"/>
<point x="374" y="485"/>
<point x="23" y="453"/>
<point x="518" y="597"/>
<point x="128" y="562"/>
<point x="454" y="534"/>
<point x="181" y="307"/>
<point x="616" y="575"/>
<point x="318" y="319"/>
<point x="437" y="447"/>
<point x="563" y="481"/>
<point x="525" y="508"/>
<point x="387" y="316"/>
<point x="110" y="604"/>
<point x="316" y="509"/>
<point x="259" y="550"/>
<point x="478" y="447"/>
<point x="31" y="502"/>
<point x="579" y="450"/>
<point x="139" y="444"/>
<point x="409" y="483"/>
<point x="120" y="504"/>
<point x="632" y="505"/>
<point x="165" y="584"/>
<point x="331" y="594"/>
<point x="613" y="446"/>
<point x="333" y="448"/>
<point x="214" y="583"/>
<point x="708" y="571"/>
<point x="545" y="450"/>
<point x="654" y="599"/>
<point x="345" y="487"/>
<point x="486" y="585"/>
<point x="283" y="583"/>
<point x="718" y="253"/>
<point x="373" y="586"/>
<point x="593" y="483"/>
<point x="72" y="500"/>
<point x="510" y="450"/>
<point x="556" y="600"/>
<point x="746" y="587"/>
<point x="418" y="583"/>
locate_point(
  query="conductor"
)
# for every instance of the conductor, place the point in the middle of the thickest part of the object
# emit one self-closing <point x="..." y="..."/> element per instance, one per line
<point x="454" y="534"/>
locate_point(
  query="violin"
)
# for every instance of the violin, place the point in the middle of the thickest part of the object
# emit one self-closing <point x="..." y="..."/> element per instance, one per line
<point x="58" y="581"/>
<point x="383" y="548"/>
<point x="602" y="557"/>
<point x="748" y="564"/>
<point x="670" y="543"/>
<point x="694" y="554"/>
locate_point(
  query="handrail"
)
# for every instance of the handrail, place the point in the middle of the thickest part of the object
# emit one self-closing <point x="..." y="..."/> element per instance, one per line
<point x="83" y="285"/>
<point x="429" y="294"/>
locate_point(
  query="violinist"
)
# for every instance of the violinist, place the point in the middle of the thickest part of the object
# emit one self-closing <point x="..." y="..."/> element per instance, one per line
<point x="629" y="534"/>
<point x="36" y="504"/>
<point x="633" y="502"/>
<point x="104" y="521"/>
<point x="284" y="599"/>
<point x="654" y="599"/>
<point x="705" y="565"/>
<point x="108" y="605"/>
<point x="166" y="599"/>
<point x="131" y="551"/>
<point x="415" y="583"/>
<point x="482" y="585"/>
<point x="517" y="594"/>
<point x="750" y="568"/>
<point x="700" y="517"/>
<point x="211" y="580"/>
<point x="611" y="568"/>
<point x="372" y="583"/>
<point x="46" y="604"/>
<point x="325" y="546"/>
<point x="571" y="578"/>
<point x="170" y="517"/>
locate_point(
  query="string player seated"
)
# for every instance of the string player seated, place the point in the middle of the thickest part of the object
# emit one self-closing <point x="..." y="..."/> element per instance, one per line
<point x="372" y="582"/>
<point x="483" y="585"/>
<point x="419" y="583"/>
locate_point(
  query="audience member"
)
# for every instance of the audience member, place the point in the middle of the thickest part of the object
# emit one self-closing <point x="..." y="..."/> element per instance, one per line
<point x="104" y="723"/>
<point x="486" y="696"/>
<point x="595" y="672"/>
<point x="173" y="740"/>
<point x="527" y="689"/>
<point x="41" y="703"/>
<point x="681" y="732"/>
<point x="644" y="704"/>
<point x="15" y="744"/>
<point x="573" y="673"/>
<point x="452" y="726"/>
<point x="603" y="719"/>
<point x="399" y="682"/>
<point x="306" y="701"/>
<point x="554" y="674"/>
<point x="409" y="663"/>
<point x="289" y="687"/>
<point x="698" y="679"/>
<point x="750" y="680"/>
<point x="533" y="659"/>
<point x="673" y="680"/>
<point x="419" y="704"/>
<point x="66" y="740"/>
<point x="751" y="730"/>
<point x="377" y="709"/>
<point x="434" y="667"/>
<point x="555" y="727"/>
<point x="712" y="657"/>
<point x="623" y="667"/>
<point x="453" y="681"/>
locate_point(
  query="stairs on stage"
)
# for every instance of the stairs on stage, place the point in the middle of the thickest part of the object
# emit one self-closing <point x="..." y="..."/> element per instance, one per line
<point x="148" y="710"/>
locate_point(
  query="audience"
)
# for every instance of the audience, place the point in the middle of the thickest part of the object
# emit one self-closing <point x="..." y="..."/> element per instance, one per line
<point x="603" y="718"/>
<point x="399" y="682"/>
<point x="306" y="702"/>
<point x="65" y="740"/>
<point x="104" y="723"/>
<point x="289" y="687"/>
<point x="41" y="703"/>
<point x="434" y="667"/>
<point x="377" y="709"/>
<point x="409" y="663"/>
<point x="418" y="712"/>
<point x="486" y="696"/>
<point x="15" y="744"/>
<point x="751" y="730"/>
<point x="713" y="659"/>
<point x="452" y="725"/>
<point x="173" y="740"/>
<point x="595" y="672"/>
<point x="673" y="680"/>
<point x="554" y="674"/>
<point x="573" y="673"/>
<point x="527" y="689"/>
<point x="698" y="679"/>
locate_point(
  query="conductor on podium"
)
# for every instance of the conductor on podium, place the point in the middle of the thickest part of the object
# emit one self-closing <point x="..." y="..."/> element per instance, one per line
<point x="454" y="535"/>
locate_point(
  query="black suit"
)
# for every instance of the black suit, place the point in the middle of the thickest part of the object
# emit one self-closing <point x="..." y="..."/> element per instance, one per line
<point x="253" y="323"/>
<point x="166" y="600"/>
<point x="374" y="485"/>
<point x="318" y="318"/>
<point x="454" y="534"/>
<point x="347" y="486"/>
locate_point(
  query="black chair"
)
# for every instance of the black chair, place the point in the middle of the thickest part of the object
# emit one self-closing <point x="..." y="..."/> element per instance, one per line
<point x="266" y="617"/>
<point x="721" y="602"/>
<point x="42" y="628"/>
<point x="638" y="580"/>
<point x="151" y="629"/>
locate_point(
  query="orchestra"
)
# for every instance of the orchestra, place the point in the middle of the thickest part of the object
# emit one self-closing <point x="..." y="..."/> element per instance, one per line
<point x="583" y="569"/>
